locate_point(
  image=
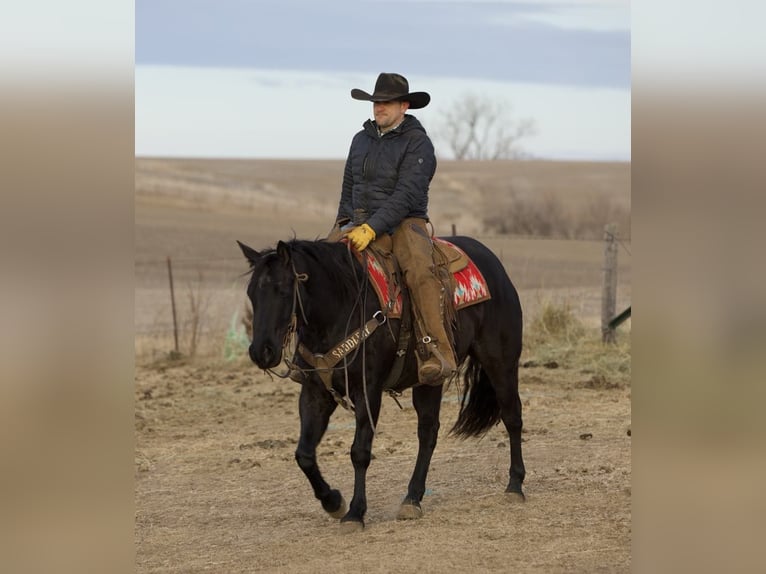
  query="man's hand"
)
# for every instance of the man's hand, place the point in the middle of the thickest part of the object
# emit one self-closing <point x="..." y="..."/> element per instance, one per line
<point x="360" y="237"/>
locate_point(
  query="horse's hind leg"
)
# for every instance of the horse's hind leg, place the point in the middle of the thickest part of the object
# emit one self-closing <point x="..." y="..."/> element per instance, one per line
<point x="505" y="381"/>
<point x="316" y="405"/>
<point x="427" y="402"/>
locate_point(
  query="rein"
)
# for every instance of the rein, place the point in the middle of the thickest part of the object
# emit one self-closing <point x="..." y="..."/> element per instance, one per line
<point x="323" y="364"/>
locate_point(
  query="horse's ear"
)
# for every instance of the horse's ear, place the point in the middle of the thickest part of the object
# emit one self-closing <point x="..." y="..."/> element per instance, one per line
<point x="283" y="250"/>
<point x="250" y="254"/>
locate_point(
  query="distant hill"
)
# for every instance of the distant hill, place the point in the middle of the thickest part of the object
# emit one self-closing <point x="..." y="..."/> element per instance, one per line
<point x="528" y="197"/>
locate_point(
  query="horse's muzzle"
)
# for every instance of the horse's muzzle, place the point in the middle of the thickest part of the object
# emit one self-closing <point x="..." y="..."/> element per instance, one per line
<point x="265" y="356"/>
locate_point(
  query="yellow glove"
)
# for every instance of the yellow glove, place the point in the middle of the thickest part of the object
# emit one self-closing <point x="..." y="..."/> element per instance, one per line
<point x="360" y="237"/>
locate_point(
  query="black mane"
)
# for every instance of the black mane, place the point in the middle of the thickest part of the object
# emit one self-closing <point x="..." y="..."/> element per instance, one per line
<point x="334" y="260"/>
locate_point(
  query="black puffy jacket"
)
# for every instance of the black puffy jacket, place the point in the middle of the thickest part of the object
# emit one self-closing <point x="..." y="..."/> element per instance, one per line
<point x="388" y="176"/>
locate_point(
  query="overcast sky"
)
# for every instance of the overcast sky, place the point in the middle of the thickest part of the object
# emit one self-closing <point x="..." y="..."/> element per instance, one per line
<point x="264" y="78"/>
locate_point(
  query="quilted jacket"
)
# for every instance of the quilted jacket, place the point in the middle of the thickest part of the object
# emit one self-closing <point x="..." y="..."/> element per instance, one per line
<point x="388" y="176"/>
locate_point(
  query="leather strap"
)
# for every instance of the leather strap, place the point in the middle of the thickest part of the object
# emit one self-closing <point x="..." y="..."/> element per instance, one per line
<point x="405" y="334"/>
<point x="324" y="363"/>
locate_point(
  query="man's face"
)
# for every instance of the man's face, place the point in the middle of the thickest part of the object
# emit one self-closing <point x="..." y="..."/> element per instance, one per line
<point x="389" y="114"/>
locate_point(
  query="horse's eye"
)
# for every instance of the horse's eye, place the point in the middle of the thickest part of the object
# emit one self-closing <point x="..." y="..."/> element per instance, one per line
<point x="285" y="290"/>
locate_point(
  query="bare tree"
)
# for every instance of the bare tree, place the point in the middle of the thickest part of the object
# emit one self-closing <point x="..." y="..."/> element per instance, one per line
<point x="477" y="127"/>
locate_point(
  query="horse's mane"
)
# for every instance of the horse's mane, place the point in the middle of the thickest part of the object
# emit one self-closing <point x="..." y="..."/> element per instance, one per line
<point x="332" y="260"/>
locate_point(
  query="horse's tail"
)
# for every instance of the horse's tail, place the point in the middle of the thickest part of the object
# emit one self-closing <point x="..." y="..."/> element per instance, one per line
<point x="479" y="409"/>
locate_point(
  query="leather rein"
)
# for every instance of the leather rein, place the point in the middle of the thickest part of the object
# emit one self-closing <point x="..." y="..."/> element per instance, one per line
<point x="323" y="363"/>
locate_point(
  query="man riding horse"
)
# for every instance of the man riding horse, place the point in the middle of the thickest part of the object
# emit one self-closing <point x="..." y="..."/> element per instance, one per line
<point x="385" y="191"/>
<point x="308" y="287"/>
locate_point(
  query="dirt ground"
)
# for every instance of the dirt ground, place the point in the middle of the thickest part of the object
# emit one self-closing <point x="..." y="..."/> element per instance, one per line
<point x="218" y="489"/>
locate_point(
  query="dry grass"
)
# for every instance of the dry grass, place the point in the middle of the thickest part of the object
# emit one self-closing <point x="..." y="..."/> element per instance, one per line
<point x="555" y="323"/>
<point x="218" y="489"/>
<point x="557" y="338"/>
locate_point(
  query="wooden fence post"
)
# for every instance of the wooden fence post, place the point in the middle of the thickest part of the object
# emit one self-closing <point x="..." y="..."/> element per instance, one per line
<point x="173" y="303"/>
<point x="454" y="230"/>
<point x="609" y="291"/>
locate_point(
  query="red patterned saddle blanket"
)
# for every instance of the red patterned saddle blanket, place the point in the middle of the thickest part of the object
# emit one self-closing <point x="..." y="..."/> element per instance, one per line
<point x="468" y="284"/>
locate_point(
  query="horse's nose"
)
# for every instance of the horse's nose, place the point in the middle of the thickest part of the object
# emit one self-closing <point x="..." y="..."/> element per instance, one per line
<point x="264" y="356"/>
<point x="253" y="352"/>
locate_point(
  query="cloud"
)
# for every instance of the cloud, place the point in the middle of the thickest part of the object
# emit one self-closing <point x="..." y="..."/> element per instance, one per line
<point x="542" y="42"/>
<point x="582" y="16"/>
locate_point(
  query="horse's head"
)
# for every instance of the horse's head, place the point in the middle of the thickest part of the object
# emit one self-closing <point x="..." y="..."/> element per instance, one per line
<point x="271" y="293"/>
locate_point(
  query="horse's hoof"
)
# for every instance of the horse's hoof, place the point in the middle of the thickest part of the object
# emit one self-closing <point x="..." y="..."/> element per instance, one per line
<point x="342" y="509"/>
<point x="351" y="526"/>
<point x="515" y="497"/>
<point x="409" y="511"/>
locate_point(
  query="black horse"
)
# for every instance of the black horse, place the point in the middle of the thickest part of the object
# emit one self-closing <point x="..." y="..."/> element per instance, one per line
<point x="317" y="289"/>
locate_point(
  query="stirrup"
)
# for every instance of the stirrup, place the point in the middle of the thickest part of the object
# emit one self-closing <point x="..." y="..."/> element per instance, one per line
<point x="434" y="349"/>
<point x="445" y="370"/>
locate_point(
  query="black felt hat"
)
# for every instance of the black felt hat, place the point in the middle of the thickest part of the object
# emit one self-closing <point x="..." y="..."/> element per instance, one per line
<point x="393" y="87"/>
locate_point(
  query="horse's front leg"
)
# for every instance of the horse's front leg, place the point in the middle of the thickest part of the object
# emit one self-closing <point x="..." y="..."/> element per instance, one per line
<point x="315" y="407"/>
<point x="427" y="402"/>
<point x="361" y="452"/>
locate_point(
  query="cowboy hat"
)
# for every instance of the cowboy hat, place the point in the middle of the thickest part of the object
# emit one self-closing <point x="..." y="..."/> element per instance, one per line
<point x="393" y="87"/>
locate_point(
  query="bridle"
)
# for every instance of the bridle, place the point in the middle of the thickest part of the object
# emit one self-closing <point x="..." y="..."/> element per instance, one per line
<point x="289" y="337"/>
<point x="324" y="364"/>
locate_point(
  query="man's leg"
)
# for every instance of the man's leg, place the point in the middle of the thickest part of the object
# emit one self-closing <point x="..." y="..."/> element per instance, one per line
<point x="414" y="251"/>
